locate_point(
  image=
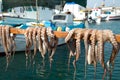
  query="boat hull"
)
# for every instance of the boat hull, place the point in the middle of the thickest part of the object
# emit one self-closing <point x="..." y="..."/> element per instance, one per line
<point x="15" y="21"/>
<point x="21" y="43"/>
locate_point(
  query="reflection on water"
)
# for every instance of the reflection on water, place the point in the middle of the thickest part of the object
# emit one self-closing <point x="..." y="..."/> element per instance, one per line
<point x="17" y="69"/>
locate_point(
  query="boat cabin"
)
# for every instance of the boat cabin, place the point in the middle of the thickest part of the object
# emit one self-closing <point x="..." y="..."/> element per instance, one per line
<point x="62" y="18"/>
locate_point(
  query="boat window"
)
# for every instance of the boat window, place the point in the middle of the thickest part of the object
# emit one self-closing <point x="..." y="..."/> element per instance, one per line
<point x="22" y="10"/>
<point x="34" y="8"/>
<point x="9" y="10"/>
<point x="59" y="17"/>
<point x="28" y="9"/>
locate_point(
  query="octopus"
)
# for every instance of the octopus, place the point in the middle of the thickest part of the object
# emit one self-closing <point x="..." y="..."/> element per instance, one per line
<point x="94" y="47"/>
<point x="109" y="36"/>
<point x="52" y="45"/>
<point x="28" y="37"/>
<point x="10" y="38"/>
<point x="49" y="43"/>
<point x="40" y="42"/>
<point x="46" y="42"/>
<point x="34" y="43"/>
<point x="79" y="37"/>
<point x="7" y="42"/>
<point x="86" y="43"/>
<point x="100" y="48"/>
<point x="71" y="46"/>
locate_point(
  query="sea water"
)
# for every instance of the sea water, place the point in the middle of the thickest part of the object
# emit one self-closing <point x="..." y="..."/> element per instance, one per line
<point x="17" y="69"/>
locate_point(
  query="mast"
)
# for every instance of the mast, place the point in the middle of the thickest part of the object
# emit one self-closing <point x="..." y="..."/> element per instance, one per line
<point x="37" y="11"/>
<point x="103" y="3"/>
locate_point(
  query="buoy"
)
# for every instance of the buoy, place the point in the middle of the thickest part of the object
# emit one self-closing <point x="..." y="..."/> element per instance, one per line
<point x="59" y="29"/>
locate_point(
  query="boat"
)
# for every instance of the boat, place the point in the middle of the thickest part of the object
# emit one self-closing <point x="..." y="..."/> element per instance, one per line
<point x="104" y="14"/>
<point x="21" y="15"/>
<point x="21" y="12"/>
<point x="76" y="9"/>
<point x="111" y="13"/>
<point x="94" y="15"/>
<point x="58" y="22"/>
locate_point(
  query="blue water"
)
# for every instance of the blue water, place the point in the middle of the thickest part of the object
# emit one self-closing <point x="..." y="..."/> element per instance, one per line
<point x="17" y="69"/>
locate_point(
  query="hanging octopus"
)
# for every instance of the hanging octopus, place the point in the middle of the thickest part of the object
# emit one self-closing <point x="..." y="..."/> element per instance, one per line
<point x="109" y="36"/>
<point x="52" y="45"/>
<point x="34" y="38"/>
<point x="7" y="42"/>
<point x="86" y="43"/>
<point x="29" y="42"/>
<point x="40" y="43"/>
<point x="46" y="42"/>
<point x="79" y="37"/>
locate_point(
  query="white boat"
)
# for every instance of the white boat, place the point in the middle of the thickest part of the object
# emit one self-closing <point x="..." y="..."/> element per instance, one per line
<point x="111" y="13"/>
<point x="22" y="15"/>
<point x="76" y="9"/>
<point x="104" y="13"/>
<point x="94" y="15"/>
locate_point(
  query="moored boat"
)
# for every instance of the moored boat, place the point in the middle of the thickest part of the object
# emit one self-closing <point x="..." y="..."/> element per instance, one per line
<point x="59" y="22"/>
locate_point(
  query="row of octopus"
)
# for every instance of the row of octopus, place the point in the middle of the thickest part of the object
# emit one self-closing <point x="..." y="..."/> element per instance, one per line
<point x="94" y="41"/>
<point x="44" y="40"/>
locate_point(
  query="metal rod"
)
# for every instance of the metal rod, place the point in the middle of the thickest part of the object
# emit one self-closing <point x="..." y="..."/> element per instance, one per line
<point x="59" y="34"/>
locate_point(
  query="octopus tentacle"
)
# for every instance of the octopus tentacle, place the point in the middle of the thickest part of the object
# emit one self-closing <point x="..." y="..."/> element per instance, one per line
<point x="4" y="42"/>
<point x="31" y="30"/>
<point x="101" y="51"/>
<point x="70" y="34"/>
<point x="50" y="32"/>
<point x="39" y="39"/>
<point x="71" y="53"/>
<point x="77" y="50"/>
<point x="13" y="44"/>
<point x="44" y="48"/>
<point x="86" y="41"/>
<point x="93" y="44"/>
<point x="79" y="36"/>
<point x="30" y="37"/>
<point x="115" y="49"/>
<point x="53" y="48"/>
<point x="8" y="43"/>
<point x="34" y="42"/>
<point x="27" y="51"/>
<point x="43" y="35"/>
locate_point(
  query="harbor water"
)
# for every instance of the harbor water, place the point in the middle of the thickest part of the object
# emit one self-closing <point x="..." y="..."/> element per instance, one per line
<point x="17" y="69"/>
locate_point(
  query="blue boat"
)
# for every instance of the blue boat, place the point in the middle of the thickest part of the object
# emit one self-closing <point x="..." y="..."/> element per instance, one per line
<point x="58" y="22"/>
